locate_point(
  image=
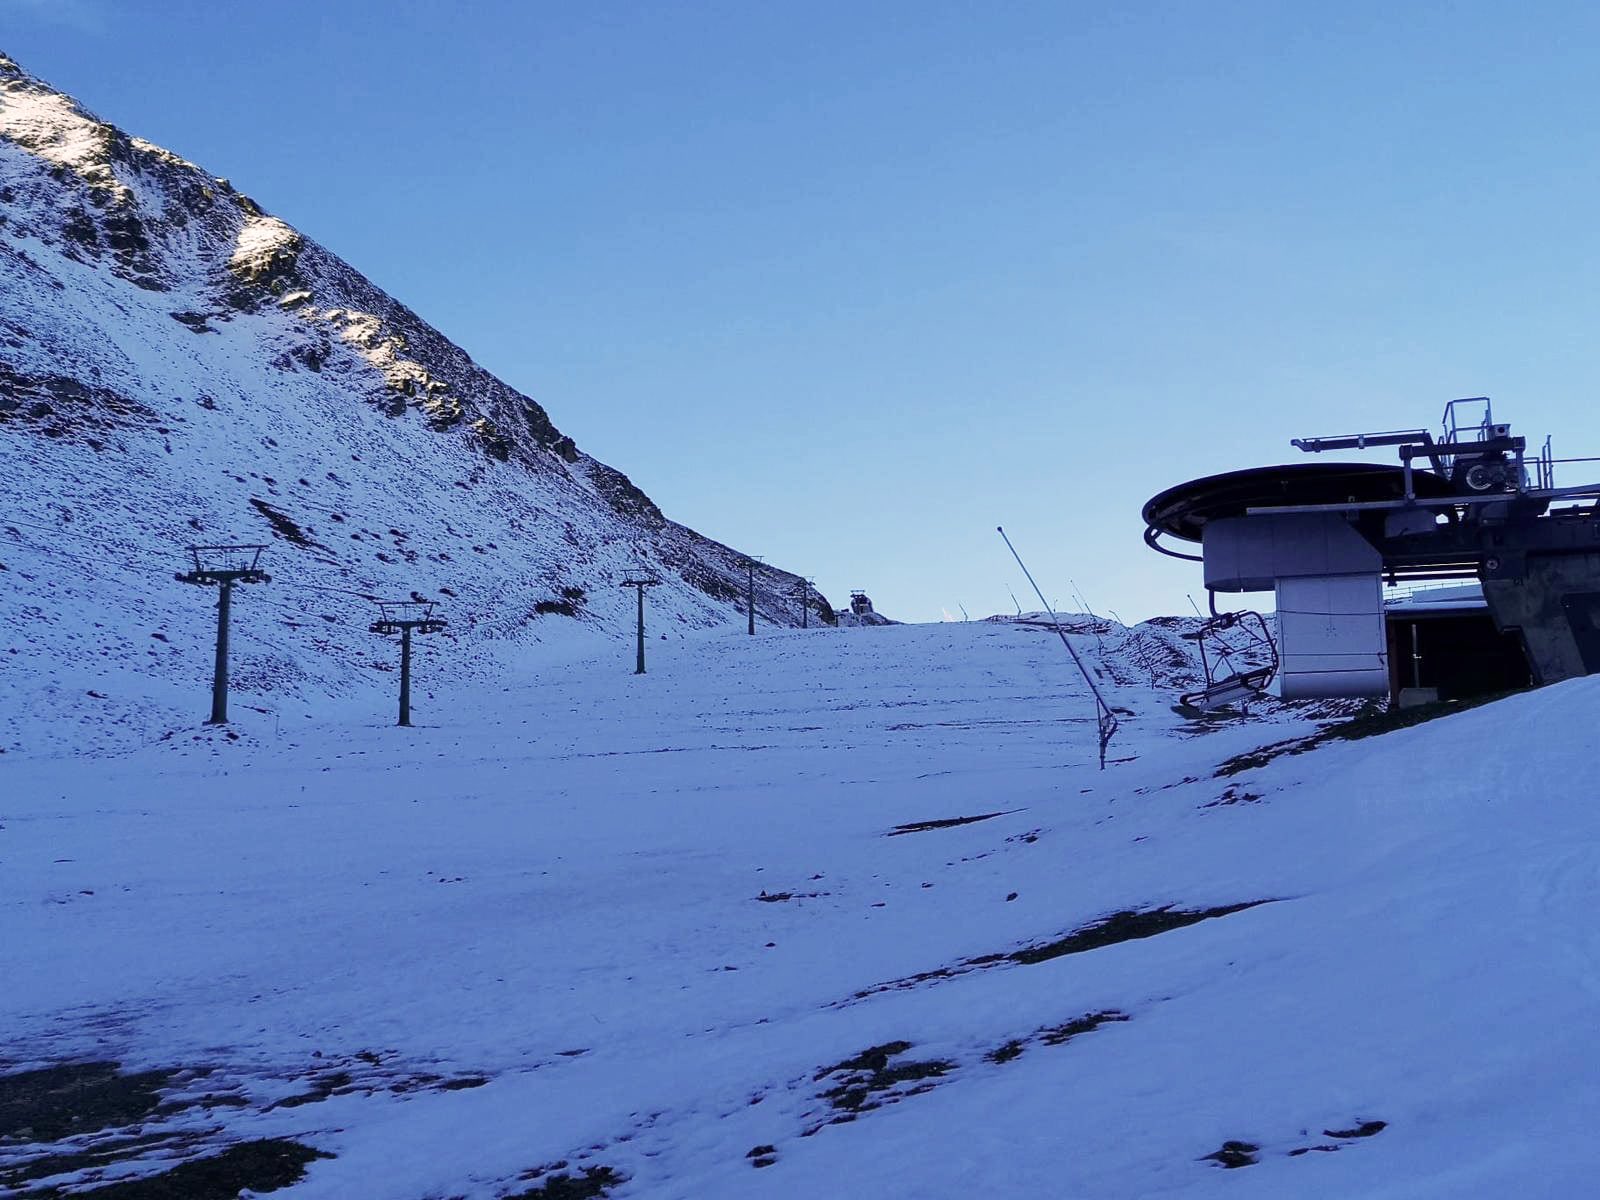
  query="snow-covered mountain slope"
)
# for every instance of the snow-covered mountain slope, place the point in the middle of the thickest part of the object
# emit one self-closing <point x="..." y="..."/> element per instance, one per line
<point x="178" y="367"/>
<point x="841" y="913"/>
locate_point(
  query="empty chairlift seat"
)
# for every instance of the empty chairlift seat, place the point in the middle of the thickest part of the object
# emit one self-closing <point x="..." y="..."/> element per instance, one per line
<point x="1239" y="657"/>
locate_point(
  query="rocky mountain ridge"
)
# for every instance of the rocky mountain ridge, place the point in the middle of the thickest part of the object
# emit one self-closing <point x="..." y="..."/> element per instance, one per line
<point x="178" y="366"/>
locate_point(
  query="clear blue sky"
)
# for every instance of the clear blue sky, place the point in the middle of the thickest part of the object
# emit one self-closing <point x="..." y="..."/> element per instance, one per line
<point x="849" y="284"/>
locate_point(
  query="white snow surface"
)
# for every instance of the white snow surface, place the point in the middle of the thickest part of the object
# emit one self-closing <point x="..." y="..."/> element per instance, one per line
<point x="556" y="886"/>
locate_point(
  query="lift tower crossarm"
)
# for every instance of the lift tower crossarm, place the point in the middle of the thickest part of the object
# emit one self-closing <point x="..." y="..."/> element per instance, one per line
<point x="1413" y="440"/>
<point x="1360" y="441"/>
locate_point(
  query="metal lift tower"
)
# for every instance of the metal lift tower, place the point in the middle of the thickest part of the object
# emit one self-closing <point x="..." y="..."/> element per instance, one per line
<point x="406" y="617"/>
<point x="223" y="566"/>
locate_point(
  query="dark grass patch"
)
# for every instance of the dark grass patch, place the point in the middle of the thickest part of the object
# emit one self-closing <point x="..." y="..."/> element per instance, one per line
<point x="1233" y="795"/>
<point x="1245" y="1154"/>
<point x="1124" y="926"/>
<point x="947" y="822"/>
<point x="1127" y="926"/>
<point x="762" y="1156"/>
<point x="873" y="1058"/>
<point x="1004" y="1054"/>
<point x="1368" y="724"/>
<point x="880" y="1075"/>
<point x="864" y="1080"/>
<point x="1055" y="1035"/>
<point x="856" y="1096"/>
<point x="1364" y="1130"/>
<point x="56" y="1102"/>
<point x="340" y="1082"/>
<point x="156" y="1123"/>
<point x="1234" y="1154"/>
<point x="102" y="1153"/>
<point x="560" y="608"/>
<point x="282" y="524"/>
<point x="263" y="1165"/>
<point x="589" y="1183"/>
<point x="871" y="1079"/>
<point x="1060" y="1035"/>
<point x="932" y="976"/>
<point x="423" y="1082"/>
<point x="327" y="1085"/>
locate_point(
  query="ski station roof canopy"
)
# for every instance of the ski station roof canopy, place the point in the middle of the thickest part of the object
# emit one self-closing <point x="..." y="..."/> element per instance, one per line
<point x="1468" y="504"/>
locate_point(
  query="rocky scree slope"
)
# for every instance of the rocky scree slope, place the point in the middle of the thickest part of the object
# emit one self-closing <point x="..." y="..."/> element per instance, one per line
<point x="177" y="366"/>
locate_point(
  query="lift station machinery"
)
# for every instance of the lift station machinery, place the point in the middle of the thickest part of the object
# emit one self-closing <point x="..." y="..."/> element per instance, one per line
<point x="1468" y="504"/>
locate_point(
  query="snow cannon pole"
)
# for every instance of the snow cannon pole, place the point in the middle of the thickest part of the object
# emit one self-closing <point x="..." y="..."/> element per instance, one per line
<point x="1105" y="719"/>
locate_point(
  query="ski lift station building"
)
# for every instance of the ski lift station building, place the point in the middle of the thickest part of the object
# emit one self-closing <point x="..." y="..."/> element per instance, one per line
<point x="1349" y="551"/>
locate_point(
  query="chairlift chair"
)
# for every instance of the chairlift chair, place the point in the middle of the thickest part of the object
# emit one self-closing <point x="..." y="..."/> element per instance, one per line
<point x="1228" y="681"/>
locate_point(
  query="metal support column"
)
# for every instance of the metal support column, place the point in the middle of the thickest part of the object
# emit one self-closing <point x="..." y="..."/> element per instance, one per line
<point x="639" y="670"/>
<point x="750" y="595"/>
<point x="219" y="672"/>
<point x="405" y="676"/>
<point x="639" y="585"/>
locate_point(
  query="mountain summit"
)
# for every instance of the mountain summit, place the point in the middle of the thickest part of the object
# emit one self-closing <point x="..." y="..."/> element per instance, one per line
<point x="177" y="366"/>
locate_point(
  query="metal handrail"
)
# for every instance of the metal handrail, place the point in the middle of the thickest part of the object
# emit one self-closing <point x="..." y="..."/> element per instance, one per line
<point x="1452" y="428"/>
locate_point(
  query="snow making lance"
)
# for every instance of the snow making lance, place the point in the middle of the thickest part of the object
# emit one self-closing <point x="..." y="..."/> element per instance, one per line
<point x="1105" y="719"/>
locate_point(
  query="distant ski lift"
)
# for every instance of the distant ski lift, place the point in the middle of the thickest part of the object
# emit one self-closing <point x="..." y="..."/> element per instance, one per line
<point x="1232" y="645"/>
